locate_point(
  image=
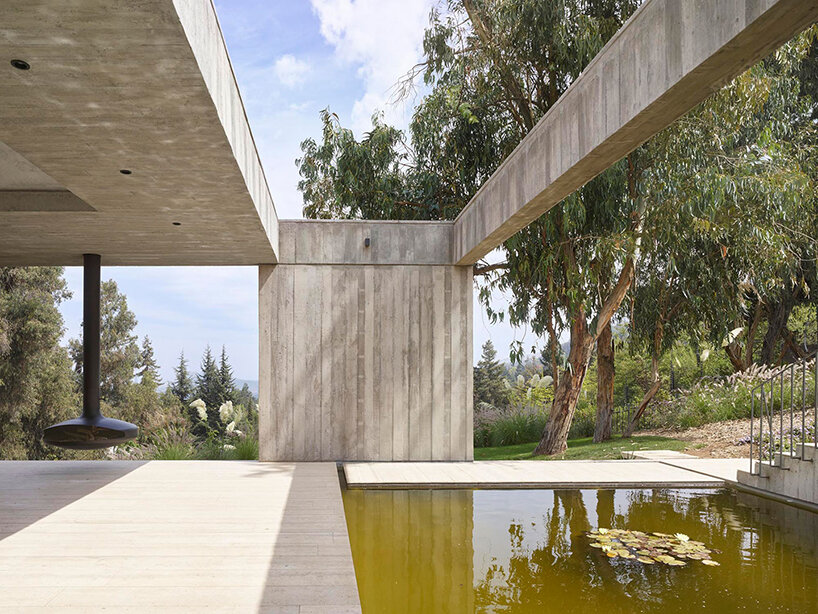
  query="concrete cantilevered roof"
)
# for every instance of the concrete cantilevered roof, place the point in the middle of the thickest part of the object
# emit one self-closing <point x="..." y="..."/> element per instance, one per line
<point x="143" y="85"/>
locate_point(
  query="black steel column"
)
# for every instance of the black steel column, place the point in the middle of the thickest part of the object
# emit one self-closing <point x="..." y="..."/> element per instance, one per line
<point x="90" y="334"/>
<point x="92" y="430"/>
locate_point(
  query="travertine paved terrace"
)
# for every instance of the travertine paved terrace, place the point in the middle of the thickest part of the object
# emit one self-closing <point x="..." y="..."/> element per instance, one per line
<point x="683" y="473"/>
<point x="173" y="536"/>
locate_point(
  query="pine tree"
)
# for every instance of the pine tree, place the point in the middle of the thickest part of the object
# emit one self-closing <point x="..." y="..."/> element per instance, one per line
<point x="489" y="381"/>
<point x="207" y="382"/>
<point x="182" y="386"/>
<point x="226" y="388"/>
<point x="149" y="368"/>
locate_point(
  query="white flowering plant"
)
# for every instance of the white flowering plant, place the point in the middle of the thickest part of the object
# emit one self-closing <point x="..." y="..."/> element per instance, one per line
<point x="219" y="432"/>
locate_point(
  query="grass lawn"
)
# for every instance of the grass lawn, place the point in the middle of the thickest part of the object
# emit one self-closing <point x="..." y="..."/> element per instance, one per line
<point x="582" y="449"/>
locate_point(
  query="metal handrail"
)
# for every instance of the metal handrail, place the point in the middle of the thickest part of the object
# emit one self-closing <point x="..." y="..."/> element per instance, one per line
<point x="766" y="408"/>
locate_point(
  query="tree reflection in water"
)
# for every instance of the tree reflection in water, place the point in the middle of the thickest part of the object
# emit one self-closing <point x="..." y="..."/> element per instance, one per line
<point x="552" y="568"/>
<point x="521" y="552"/>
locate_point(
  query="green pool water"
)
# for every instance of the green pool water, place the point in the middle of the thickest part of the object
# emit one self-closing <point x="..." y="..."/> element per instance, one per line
<point x="524" y="551"/>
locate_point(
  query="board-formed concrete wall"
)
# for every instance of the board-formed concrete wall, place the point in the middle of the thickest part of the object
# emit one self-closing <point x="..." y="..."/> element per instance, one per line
<point x="370" y="360"/>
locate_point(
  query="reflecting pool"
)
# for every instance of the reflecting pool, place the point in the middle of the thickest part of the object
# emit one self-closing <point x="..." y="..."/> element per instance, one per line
<point x="525" y="551"/>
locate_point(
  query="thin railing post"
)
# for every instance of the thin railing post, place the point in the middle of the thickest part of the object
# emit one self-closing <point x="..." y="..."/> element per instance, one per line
<point x="803" y="407"/>
<point x="761" y="429"/>
<point x="792" y="385"/>
<point x="752" y="420"/>
<point x="781" y="421"/>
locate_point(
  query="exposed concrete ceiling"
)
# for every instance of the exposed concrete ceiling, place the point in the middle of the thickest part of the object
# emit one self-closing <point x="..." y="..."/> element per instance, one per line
<point x="141" y="85"/>
<point x="17" y="173"/>
<point x="24" y="187"/>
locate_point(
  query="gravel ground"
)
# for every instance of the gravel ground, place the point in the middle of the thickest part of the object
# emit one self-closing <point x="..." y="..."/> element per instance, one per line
<point x="718" y="439"/>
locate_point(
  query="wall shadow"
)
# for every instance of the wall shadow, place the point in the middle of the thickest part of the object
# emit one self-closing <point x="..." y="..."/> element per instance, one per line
<point x="32" y="490"/>
<point x="310" y="565"/>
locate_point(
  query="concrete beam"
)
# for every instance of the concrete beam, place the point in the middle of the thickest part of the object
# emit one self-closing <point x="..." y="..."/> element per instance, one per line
<point x="344" y="242"/>
<point x="665" y="60"/>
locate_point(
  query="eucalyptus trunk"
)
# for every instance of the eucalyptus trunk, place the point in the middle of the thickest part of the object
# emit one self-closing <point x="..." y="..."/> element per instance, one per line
<point x="555" y="435"/>
<point x="606" y="372"/>
<point x="779" y="315"/>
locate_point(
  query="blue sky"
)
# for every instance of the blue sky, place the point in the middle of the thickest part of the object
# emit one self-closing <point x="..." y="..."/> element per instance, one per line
<point x="291" y="59"/>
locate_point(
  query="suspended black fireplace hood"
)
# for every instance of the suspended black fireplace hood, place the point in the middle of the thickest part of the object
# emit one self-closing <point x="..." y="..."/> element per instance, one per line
<point x="92" y="430"/>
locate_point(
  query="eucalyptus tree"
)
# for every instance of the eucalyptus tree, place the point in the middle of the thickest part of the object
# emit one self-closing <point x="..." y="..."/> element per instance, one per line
<point x="730" y="217"/>
<point x="494" y="68"/>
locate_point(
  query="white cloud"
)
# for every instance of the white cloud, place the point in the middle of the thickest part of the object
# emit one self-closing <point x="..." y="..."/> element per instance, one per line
<point x="384" y="39"/>
<point x="291" y="71"/>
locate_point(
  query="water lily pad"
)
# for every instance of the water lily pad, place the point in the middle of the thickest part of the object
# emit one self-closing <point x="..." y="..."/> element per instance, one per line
<point x="710" y="563"/>
<point x="650" y="548"/>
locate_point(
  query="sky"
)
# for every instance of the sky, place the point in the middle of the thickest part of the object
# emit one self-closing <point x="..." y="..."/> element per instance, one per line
<point x="292" y="58"/>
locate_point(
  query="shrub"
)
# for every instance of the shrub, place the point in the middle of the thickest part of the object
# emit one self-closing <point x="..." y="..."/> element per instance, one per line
<point x="212" y="449"/>
<point x="728" y="398"/>
<point x="494" y="427"/>
<point x="174" y="451"/>
<point x="246" y="448"/>
<point x="584" y="420"/>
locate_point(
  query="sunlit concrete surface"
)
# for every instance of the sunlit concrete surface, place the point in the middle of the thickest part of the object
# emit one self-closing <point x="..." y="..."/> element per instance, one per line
<point x="173" y="536"/>
<point x="543" y="474"/>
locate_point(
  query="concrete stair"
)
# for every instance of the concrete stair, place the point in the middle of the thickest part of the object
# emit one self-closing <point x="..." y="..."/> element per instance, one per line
<point x="792" y="475"/>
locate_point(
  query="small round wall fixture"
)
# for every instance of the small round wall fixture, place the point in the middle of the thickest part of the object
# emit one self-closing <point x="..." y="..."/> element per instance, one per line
<point x="20" y="64"/>
<point x="126" y="171"/>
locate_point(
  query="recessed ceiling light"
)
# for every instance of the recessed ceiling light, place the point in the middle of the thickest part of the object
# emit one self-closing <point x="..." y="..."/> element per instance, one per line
<point x="125" y="171"/>
<point x="20" y="64"/>
<point x="177" y="223"/>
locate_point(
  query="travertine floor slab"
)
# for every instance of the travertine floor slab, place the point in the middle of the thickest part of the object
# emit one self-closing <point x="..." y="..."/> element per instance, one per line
<point x="527" y="474"/>
<point x="725" y="468"/>
<point x="174" y="536"/>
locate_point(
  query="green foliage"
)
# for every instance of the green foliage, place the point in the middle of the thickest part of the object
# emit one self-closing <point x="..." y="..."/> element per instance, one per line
<point x="174" y="451"/>
<point x="722" y="399"/>
<point x="508" y="428"/>
<point x="583" y="449"/>
<point x="182" y="385"/>
<point x="713" y="221"/>
<point x="346" y="178"/>
<point x="120" y="355"/>
<point x="226" y="383"/>
<point x="584" y="420"/>
<point x="208" y="390"/>
<point x="246" y="448"/>
<point x="148" y="367"/>
<point x="36" y="387"/>
<point x="490" y="385"/>
<point x="731" y="211"/>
